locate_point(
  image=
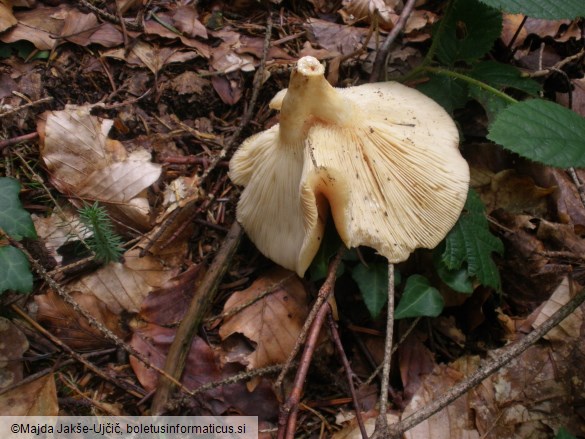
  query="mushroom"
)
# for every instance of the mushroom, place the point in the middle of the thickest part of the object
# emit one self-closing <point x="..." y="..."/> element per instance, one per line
<point x="382" y="158"/>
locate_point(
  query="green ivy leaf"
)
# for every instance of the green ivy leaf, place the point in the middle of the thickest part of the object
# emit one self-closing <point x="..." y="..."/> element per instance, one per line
<point x="458" y="279"/>
<point x="448" y="92"/>
<point x="564" y="434"/>
<point x="329" y="247"/>
<point x="547" y="9"/>
<point x="419" y="299"/>
<point x="373" y="284"/>
<point x="469" y="32"/>
<point x="14" y="271"/>
<point x="470" y="241"/>
<point x="541" y="131"/>
<point x="14" y="220"/>
<point x="503" y="76"/>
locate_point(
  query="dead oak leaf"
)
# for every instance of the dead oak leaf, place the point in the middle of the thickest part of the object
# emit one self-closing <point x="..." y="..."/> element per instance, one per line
<point x="273" y="322"/>
<point x="37" y="398"/>
<point x="13" y="345"/>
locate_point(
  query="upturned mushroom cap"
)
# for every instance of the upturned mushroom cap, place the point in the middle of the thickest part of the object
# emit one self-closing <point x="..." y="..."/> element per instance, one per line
<point x="382" y="158"/>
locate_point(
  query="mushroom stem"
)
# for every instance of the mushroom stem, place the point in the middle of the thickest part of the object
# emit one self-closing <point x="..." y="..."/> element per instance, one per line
<point x="310" y="99"/>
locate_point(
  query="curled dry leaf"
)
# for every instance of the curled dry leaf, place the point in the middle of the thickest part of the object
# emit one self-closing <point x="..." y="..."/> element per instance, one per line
<point x="13" y="346"/>
<point x="71" y="327"/>
<point x="123" y="286"/>
<point x="38" y="26"/>
<point x="274" y="322"/>
<point x="365" y="11"/>
<point x="85" y="164"/>
<point x="37" y="398"/>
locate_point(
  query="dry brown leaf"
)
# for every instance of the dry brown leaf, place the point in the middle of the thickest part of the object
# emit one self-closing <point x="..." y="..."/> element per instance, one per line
<point x="153" y="27"/>
<point x="453" y="422"/>
<point x="13" y="345"/>
<point x="167" y="305"/>
<point x="68" y="325"/>
<point x="123" y="286"/>
<point x="7" y="19"/>
<point x="274" y="322"/>
<point x="86" y="164"/>
<point x="335" y="37"/>
<point x="229" y="87"/>
<point x="415" y="361"/>
<point x="37" y="398"/>
<point x="39" y="26"/>
<point x="186" y="19"/>
<point x="363" y="11"/>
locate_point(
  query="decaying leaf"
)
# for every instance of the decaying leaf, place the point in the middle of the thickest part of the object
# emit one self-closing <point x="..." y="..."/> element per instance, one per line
<point x="13" y="345"/>
<point x="273" y="323"/>
<point x="520" y="400"/>
<point x="37" y="398"/>
<point x="85" y="164"/>
<point x="366" y="11"/>
<point x="72" y="328"/>
<point x="7" y="19"/>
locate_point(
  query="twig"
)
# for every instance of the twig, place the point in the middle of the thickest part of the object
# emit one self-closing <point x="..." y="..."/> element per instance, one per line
<point x="288" y="415"/>
<point x="505" y="355"/>
<point x="310" y="331"/>
<point x="326" y="288"/>
<point x="578" y="184"/>
<point x="19" y="139"/>
<point x="558" y="66"/>
<point x="22" y="107"/>
<point x="53" y="284"/>
<point x="247" y="117"/>
<point x="64" y="347"/>
<point x="382" y="421"/>
<point x="382" y="55"/>
<point x="175" y="361"/>
<point x="348" y="372"/>
<point x="109" y="17"/>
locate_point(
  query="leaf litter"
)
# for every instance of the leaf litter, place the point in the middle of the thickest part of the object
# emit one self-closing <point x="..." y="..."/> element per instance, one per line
<point x="138" y="113"/>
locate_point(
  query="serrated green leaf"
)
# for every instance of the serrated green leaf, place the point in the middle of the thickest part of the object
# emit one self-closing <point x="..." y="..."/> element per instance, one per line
<point x="541" y="131"/>
<point x="14" y="271"/>
<point x="448" y="92"/>
<point x="547" y="9"/>
<point x="373" y="284"/>
<point x="502" y="76"/>
<point x="469" y="32"/>
<point x="458" y="280"/>
<point x="14" y="220"/>
<point x="491" y="103"/>
<point x="419" y="299"/>
<point x="470" y="241"/>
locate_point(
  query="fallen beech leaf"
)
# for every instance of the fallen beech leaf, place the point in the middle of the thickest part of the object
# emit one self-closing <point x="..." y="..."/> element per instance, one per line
<point x="72" y="328"/>
<point x="37" y="398"/>
<point x="123" y="286"/>
<point x="12" y="347"/>
<point x="39" y="26"/>
<point x="335" y="37"/>
<point x="167" y="305"/>
<point x="86" y="164"/>
<point x="415" y="361"/>
<point x="7" y="20"/>
<point x="274" y="322"/>
<point x="453" y="421"/>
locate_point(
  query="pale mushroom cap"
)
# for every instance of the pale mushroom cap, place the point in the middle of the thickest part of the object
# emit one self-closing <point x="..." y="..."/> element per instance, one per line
<point x="383" y="157"/>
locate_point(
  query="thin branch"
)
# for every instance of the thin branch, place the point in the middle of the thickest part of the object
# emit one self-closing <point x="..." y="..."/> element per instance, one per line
<point x="382" y="55"/>
<point x="505" y="356"/>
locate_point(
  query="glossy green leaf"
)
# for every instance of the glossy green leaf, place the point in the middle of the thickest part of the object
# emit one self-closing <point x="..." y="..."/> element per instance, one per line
<point x="471" y="242"/>
<point x="469" y="32"/>
<point x="547" y="9"/>
<point x="373" y="284"/>
<point x="419" y="299"/>
<point x="541" y="131"/>
<point x="458" y="280"/>
<point x="14" y="220"/>
<point x="564" y="434"/>
<point x="14" y="271"/>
